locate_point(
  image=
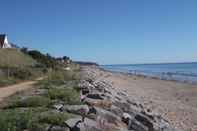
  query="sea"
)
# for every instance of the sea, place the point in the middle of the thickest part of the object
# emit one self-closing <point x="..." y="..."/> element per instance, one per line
<point x="183" y="72"/>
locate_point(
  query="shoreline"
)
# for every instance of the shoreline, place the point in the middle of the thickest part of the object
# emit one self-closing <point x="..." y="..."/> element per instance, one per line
<point x="148" y="77"/>
<point x="175" y="101"/>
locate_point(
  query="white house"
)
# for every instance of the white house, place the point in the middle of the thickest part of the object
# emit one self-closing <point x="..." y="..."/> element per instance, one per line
<point x="4" y="41"/>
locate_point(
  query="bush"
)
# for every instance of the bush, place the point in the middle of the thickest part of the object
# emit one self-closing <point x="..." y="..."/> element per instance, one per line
<point x="33" y="101"/>
<point x="38" y="127"/>
<point x="21" y="119"/>
<point x="63" y="75"/>
<point x="21" y="73"/>
<point x="56" y="75"/>
<point x="25" y="73"/>
<point x="46" y="60"/>
<point x="16" y="74"/>
<point x="54" y="118"/>
<point x="69" y="96"/>
<point x="15" y="120"/>
<point x="44" y="84"/>
<point x="5" y="82"/>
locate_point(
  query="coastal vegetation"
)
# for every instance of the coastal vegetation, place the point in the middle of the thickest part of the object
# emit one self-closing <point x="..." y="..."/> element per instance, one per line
<point x="11" y="57"/>
<point x="33" y="109"/>
<point x="15" y="66"/>
<point x="18" y="65"/>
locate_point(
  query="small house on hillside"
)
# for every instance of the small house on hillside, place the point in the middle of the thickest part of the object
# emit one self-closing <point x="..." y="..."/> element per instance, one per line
<point x="64" y="60"/>
<point x="4" y="41"/>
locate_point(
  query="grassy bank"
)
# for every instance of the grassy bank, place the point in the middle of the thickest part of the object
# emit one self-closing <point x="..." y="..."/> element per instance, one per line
<point x="34" y="109"/>
<point x="15" y="66"/>
<point x="15" y="58"/>
<point x="18" y="65"/>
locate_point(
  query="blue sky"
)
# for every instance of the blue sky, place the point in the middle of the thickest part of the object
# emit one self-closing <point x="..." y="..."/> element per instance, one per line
<point x="105" y="31"/>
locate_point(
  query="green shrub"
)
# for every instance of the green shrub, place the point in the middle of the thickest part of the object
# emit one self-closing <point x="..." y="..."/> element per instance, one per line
<point x="25" y="73"/>
<point x="17" y="74"/>
<point x="46" y="60"/>
<point x="62" y="75"/>
<point x="54" y="118"/>
<point x="5" y="82"/>
<point x="44" y="84"/>
<point x="56" y="75"/>
<point x="15" y="120"/>
<point x="33" y="101"/>
<point x="21" y="73"/>
<point x="36" y="126"/>
<point x="20" y="119"/>
<point x="69" y="96"/>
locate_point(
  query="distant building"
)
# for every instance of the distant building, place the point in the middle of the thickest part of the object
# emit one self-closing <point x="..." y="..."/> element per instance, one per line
<point x="64" y="60"/>
<point x="4" y="41"/>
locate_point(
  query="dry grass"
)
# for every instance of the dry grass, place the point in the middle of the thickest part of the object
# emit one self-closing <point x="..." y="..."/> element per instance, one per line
<point x="14" y="58"/>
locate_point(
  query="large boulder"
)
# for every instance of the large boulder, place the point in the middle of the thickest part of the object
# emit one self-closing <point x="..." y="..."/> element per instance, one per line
<point x="76" y="109"/>
<point x="138" y="126"/>
<point x="141" y="122"/>
<point x="116" y="110"/>
<point x="78" y="124"/>
<point x="108" y="116"/>
<point x="106" y="104"/>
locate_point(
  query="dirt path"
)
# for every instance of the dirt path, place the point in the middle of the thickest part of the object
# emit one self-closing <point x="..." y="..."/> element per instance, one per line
<point x="10" y="90"/>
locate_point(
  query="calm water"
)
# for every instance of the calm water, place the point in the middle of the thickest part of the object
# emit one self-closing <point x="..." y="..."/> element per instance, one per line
<point x="185" y="72"/>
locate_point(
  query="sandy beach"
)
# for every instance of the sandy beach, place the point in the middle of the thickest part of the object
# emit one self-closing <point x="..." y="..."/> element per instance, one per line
<point x="174" y="101"/>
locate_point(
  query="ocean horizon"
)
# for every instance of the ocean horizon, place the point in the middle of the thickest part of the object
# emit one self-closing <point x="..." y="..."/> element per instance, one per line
<point x="182" y="71"/>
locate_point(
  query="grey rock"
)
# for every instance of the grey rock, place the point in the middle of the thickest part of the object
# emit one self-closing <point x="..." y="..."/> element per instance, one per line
<point x="137" y="126"/>
<point x="107" y="115"/>
<point x="58" y="106"/>
<point x="74" y="122"/>
<point x="77" y="124"/>
<point x="123" y="105"/>
<point x="126" y="116"/>
<point x="92" y="110"/>
<point x="105" y="104"/>
<point x="162" y="125"/>
<point x="145" y="121"/>
<point x="76" y="109"/>
<point x="85" y="85"/>
<point x="85" y="91"/>
<point x="95" y="96"/>
<point x="58" y="128"/>
<point x="116" y="110"/>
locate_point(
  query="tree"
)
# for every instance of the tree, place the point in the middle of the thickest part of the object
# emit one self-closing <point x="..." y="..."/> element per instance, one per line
<point x="24" y="50"/>
<point x="47" y="59"/>
<point x="66" y="58"/>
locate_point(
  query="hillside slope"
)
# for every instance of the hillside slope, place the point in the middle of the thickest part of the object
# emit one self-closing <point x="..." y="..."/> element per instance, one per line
<point x="14" y="58"/>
